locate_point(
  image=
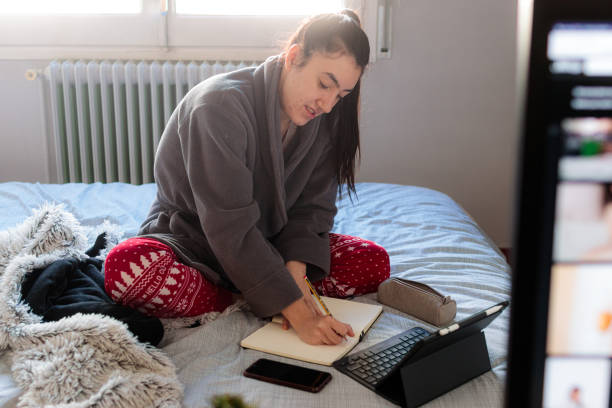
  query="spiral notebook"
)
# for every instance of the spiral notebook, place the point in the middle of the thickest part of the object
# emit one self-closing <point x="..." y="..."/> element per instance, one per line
<point x="272" y="339"/>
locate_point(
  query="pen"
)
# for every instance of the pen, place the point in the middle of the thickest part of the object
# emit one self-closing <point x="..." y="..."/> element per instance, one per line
<point x="316" y="295"/>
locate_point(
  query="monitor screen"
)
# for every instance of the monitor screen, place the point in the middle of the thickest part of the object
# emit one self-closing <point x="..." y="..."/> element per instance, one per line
<point x="577" y="370"/>
<point x="561" y="330"/>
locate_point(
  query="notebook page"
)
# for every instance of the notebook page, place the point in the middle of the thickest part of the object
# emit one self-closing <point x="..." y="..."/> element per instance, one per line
<point x="273" y="339"/>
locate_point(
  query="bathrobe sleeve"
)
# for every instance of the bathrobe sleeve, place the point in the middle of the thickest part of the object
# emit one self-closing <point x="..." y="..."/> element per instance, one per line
<point x="305" y="237"/>
<point x="213" y="144"/>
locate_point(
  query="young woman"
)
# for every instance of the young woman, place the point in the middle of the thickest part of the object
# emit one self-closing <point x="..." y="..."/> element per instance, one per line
<point x="247" y="172"/>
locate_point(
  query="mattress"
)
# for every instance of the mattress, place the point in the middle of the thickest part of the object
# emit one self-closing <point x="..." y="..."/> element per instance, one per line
<point x="428" y="236"/>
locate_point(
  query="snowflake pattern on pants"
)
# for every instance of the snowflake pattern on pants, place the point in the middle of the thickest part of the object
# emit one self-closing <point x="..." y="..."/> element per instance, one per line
<point x="146" y="275"/>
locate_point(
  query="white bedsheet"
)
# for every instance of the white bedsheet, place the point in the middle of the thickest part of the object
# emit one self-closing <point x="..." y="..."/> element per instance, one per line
<point x="429" y="239"/>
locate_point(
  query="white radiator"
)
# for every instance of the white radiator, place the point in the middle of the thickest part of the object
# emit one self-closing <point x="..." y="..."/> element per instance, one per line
<point x="108" y="117"/>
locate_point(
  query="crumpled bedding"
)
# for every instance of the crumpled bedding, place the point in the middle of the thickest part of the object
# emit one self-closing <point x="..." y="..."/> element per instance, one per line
<point x="80" y="360"/>
<point x="71" y="285"/>
<point x="428" y="236"/>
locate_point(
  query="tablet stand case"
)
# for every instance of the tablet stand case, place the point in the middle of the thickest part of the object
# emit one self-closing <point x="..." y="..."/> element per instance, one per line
<point x="440" y="372"/>
<point x="439" y="367"/>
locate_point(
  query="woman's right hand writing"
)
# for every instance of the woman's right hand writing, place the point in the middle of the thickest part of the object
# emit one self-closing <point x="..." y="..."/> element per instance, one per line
<point x="305" y="317"/>
<point x="315" y="328"/>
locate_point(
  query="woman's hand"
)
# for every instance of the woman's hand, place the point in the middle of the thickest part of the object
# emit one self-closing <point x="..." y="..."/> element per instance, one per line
<point x="298" y="271"/>
<point x="306" y="318"/>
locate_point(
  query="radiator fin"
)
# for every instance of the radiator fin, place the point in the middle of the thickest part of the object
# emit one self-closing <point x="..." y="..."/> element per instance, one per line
<point x="108" y="117"/>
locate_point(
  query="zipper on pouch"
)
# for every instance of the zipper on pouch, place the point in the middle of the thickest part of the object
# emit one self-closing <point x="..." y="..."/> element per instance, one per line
<point x="427" y="290"/>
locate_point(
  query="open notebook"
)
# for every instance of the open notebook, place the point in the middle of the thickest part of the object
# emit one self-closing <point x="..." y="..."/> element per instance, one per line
<point x="274" y="340"/>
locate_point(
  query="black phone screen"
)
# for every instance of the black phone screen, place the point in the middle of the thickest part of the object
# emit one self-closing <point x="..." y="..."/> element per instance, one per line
<point x="287" y="374"/>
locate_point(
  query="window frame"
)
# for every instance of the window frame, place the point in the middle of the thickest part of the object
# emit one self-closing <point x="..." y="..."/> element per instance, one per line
<point x="154" y="34"/>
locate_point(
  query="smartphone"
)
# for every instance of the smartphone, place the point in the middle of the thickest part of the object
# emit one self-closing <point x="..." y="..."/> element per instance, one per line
<point x="288" y="375"/>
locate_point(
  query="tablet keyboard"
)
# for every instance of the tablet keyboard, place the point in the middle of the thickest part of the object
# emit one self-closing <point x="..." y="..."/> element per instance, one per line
<point x="371" y="365"/>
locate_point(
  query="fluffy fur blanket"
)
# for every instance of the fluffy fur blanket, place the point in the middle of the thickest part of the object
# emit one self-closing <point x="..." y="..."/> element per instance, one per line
<point x="83" y="360"/>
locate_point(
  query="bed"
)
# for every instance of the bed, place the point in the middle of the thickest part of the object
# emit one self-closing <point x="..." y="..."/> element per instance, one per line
<point x="428" y="236"/>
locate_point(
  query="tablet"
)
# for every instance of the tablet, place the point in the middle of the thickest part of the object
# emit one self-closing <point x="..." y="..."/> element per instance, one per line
<point x="456" y="331"/>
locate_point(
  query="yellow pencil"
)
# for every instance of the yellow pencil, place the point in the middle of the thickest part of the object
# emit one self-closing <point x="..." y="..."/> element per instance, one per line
<point x="316" y="295"/>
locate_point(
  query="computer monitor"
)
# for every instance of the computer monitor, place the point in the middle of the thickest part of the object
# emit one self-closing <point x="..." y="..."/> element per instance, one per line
<point x="560" y="348"/>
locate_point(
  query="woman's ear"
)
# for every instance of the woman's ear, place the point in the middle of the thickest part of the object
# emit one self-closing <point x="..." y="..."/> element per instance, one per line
<point x="294" y="56"/>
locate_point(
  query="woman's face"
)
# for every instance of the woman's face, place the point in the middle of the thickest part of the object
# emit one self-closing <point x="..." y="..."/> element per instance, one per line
<point x="313" y="89"/>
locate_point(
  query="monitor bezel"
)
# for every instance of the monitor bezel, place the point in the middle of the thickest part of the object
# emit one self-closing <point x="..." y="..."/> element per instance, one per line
<point x="535" y="205"/>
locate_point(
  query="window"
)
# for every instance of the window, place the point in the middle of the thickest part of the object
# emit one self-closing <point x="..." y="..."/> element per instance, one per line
<point x="55" y="7"/>
<point x="74" y="23"/>
<point x="257" y="8"/>
<point x="154" y="29"/>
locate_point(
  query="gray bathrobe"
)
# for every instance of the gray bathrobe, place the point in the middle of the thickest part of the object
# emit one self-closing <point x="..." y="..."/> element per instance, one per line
<point x="231" y="202"/>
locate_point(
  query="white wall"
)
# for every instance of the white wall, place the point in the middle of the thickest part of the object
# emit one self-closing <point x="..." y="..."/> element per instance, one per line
<point x="441" y="113"/>
<point x="22" y="136"/>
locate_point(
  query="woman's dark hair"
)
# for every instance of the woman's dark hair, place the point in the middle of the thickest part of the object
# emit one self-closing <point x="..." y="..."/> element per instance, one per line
<point x="339" y="33"/>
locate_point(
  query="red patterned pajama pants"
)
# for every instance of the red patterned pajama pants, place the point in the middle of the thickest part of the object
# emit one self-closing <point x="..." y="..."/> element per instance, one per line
<point x="146" y="275"/>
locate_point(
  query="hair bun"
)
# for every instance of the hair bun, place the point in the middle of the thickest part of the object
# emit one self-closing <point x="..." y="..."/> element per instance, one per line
<point x="352" y="15"/>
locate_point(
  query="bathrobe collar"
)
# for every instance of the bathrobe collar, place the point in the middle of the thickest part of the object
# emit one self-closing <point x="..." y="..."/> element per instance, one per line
<point x="267" y="79"/>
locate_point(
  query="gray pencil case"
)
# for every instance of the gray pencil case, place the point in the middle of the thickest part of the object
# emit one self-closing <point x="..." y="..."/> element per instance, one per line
<point x="417" y="299"/>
